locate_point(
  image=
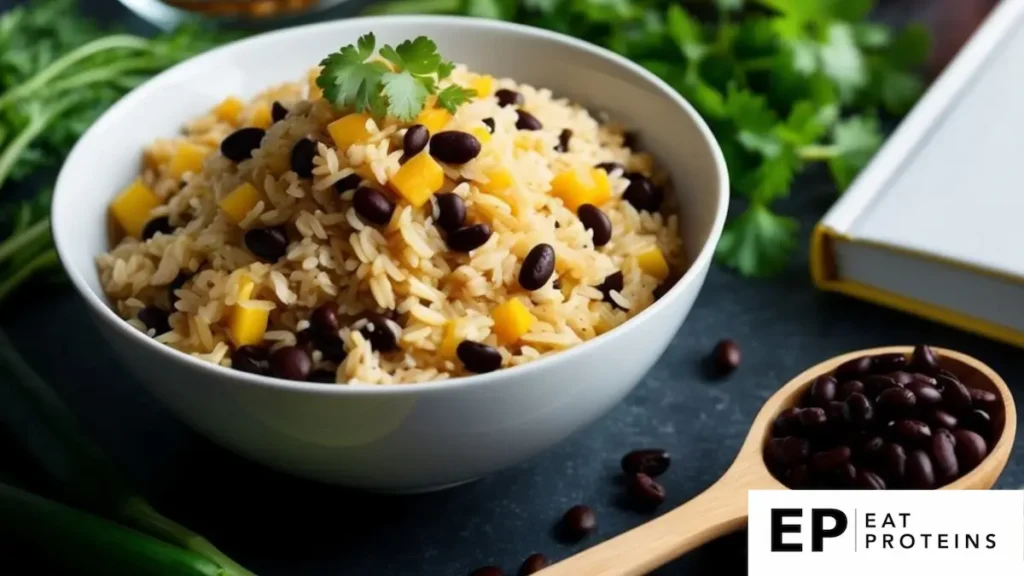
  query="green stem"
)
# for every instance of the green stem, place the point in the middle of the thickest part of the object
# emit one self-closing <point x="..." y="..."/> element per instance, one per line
<point x="815" y="153"/>
<point x="41" y="262"/>
<point x="35" y="127"/>
<point x="118" y="41"/>
<point x="18" y="241"/>
<point x="414" y="7"/>
<point x="105" y="74"/>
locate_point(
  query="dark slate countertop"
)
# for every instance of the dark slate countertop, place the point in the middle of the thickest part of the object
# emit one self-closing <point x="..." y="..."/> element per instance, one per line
<point x="279" y="525"/>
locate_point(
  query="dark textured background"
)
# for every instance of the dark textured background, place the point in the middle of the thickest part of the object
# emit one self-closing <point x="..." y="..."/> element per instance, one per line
<point x="279" y="525"/>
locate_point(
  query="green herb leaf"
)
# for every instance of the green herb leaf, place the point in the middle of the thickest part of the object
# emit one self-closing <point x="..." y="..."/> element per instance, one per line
<point x="855" y="140"/>
<point x="406" y="95"/>
<point x="454" y="96"/>
<point x="758" y="242"/>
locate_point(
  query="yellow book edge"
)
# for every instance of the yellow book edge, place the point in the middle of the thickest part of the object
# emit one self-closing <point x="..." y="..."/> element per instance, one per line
<point x="825" y="277"/>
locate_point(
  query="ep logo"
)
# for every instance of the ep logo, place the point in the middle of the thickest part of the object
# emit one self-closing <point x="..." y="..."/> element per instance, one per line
<point x="823" y="523"/>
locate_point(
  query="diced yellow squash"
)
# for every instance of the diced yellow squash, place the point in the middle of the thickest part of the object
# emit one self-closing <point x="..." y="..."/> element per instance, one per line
<point x="348" y="130"/>
<point x="229" y="109"/>
<point x="578" y="186"/>
<point x="511" y="321"/>
<point x="653" y="263"/>
<point x="240" y="201"/>
<point x="482" y="134"/>
<point x="188" y="157"/>
<point x="418" y="179"/>
<point x="434" y="119"/>
<point x="566" y="285"/>
<point x="449" y="341"/>
<point x="497" y="180"/>
<point x="484" y="86"/>
<point x="314" y="91"/>
<point x="261" y="115"/>
<point x="131" y="208"/>
<point x="248" y="323"/>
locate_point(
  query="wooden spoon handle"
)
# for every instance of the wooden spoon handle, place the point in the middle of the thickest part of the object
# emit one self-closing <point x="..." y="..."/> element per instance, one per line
<point x="720" y="509"/>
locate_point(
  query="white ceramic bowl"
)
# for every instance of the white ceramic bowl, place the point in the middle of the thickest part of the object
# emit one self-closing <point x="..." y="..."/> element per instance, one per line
<point x="414" y="437"/>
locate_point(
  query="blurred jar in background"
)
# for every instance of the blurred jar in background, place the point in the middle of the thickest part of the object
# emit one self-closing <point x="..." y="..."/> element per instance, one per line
<point x="248" y="14"/>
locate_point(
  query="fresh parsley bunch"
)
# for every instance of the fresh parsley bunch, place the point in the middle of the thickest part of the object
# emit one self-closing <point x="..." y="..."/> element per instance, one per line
<point x="396" y="85"/>
<point x="783" y="84"/>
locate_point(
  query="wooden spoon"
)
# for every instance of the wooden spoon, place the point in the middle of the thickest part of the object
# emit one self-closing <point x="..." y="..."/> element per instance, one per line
<point x="722" y="508"/>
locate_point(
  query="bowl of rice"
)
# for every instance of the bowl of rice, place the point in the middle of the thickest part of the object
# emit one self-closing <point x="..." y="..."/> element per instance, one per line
<point x="397" y="294"/>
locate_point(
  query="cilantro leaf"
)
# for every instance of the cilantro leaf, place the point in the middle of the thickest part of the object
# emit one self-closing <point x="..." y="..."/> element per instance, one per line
<point x="685" y="32"/>
<point x="419" y="56"/>
<point x="757" y="242"/>
<point x="842" y="61"/>
<point x="453" y="96"/>
<point x="855" y="141"/>
<point x="406" y="95"/>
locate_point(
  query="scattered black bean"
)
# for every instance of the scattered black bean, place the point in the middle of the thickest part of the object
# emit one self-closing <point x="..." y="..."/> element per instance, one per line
<point x="912" y="432"/>
<point x="306" y="340"/>
<point x="646" y="491"/>
<point x="868" y="480"/>
<point x="489" y="122"/>
<point x="610" y="167"/>
<point x="798" y="476"/>
<point x="613" y="281"/>
<point x="853" y="368"/>
<point x="379" y="331"/>
<point x="651" y="461"/>
<point x="469" y="238"/>
<point x="726" y="356"/>
<point x="158" y="225"/>
<point x="487" y="571"/>
<point x="269" y="244"/>
<point x="895" y="402"/>
<point x="508" y="97"/>
<point x="238" y="145"/>
<point x="830" y="459"/>
<point x="578" y="521"/>
<point x="477" y="357"/>
<point x="849" y="388"/>
<point x="943" y="453"/>
<point x="629" y="139"/>
<point x="177" y="284"/>
<point x="277" y="112"/>
<point x="955" y="396"/>
<point x="534" y="563"/>
<point x="527" y="121"/>
<point x="597" y="222"/>
<point x="323" y="377"/>
<point x="923" y="360"/>
<point x="790" y="450"/>
<point x="811" y="418"/>
<point x="640" y="193"/>
<point x="537" y="267"/>
<point x="875" y="384"/>
<point x="302" y="157"/>
<point x="978" y="421"/>
<point x="332" y="347"/>
<point x="251" y="359"/>
<point x="926" y="394"/>
<point x="970" y="448"/>
<point x="886" y="363"/>
<point x="942" y="419"/>
<point x="324" y="320"/>
<point x="415" y="140"/>
<point x="155" y="319"/>
<point x="983" y="398"/>
<point x="860" y="409"/>
<point x="451" y="211"/>
<point x="920" y="474"/>
<point x="347" y="183"/>
<point x="454" y="147"/>
<point x="563" y="141"/>
<point x="786" y="423"/>
<point x="892" y="459"/>
<point x="290" y="363"/>
<point x="373" y="206"/>
<point x="823" y="390"/>
<point x="902" y="378"/>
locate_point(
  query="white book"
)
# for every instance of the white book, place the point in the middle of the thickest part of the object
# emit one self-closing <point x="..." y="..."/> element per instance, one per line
<point x="934" y="225"/>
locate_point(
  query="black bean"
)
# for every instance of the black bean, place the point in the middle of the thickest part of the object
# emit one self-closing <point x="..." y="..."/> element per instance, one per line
<point x="811" y="418"/>
<point x="290" y="363"/>
<point x="469" y="238"/>
<point x="941" y="419"/>
<point x="886" y="363"/>
<point x="869" y="450"/>
<point x="578" y="521"/>
<point x="610" y="167"/>
<point x="508" y="97"/>
<point x="629" y="139"/>
<point x="955" y="396"/>
<point x="798" y="476"/>
<point x="487" y="571"/>
<point x="947" y="374"/>
<point x="868" y="480"/>
<point x="896" y="402"/>
<point x="373" y="206"/>
<point x="850" y="388"/>
<point x="979" y="421"/>
<point x="415" y="140"/>
<point x="926" y="395"/>
<point x="478" y="357"/>
<point x="970" y="449"/>
<point x="454" y="147"/>
<point x="830" y="458"/>
<point x="920" y="474"/>
<point x="925" y="379"/>
<point x="323" y="377"/>
<point x="787" y="422"/>
<point x="323" y="321"/>
<point x="923" y="359"/>
<point x="663" y="287"/>
<point x="534" y="563"/>
<point x="306" y="340"/>
<point x="838" y="415"/>
<point x="726" y="356"/>
<point x="640" y="193"/>
<point x="347" y="183"/>
<point x="943" y="452"/>
<point x="983" y="398"/>
<point x="251" y="359"/>
<point x="892" y="459"/>
<point x="853" y="368"/>
<point x="912" y="432"/>
<point x="651" y="461"/>
<point x="875" y="384"/>
<point x="597" y="222"/>
<point x="612" y="282"/>
<point x="278" y="112"/>
<point x="901" y="378"/>
<point x="177" y="284"/>
<point x="790" y="450"/>
<point x="489" y="122"/>
<point x="269" y="244"/>
<point x="238" y="145"/>
<point x="332" y="347"/>
<point x="563" y="141"/>
<point x="527" y="121"/>
<point x="451" y="211"/>
<point x="158" y="225"/>
<point x="302" y="157"/>
<point x="823" y="391"/>
<point x="646" y="491"/>
<point x="537" y="267"/>
<point x="843" y="475"/>
<point x="380" y="332"/>
<point x="155" y="319"/>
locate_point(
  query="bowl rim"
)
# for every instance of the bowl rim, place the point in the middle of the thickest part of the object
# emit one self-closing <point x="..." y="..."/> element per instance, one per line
<point x="101" y="307"/>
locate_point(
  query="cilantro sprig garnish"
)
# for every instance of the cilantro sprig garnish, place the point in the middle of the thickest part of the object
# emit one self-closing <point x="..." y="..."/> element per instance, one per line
<point x="396" y="85"/>
<point x="784" y="85"/>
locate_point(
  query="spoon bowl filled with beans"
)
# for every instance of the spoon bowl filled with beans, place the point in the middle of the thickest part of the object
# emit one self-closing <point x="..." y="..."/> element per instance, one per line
<point x="894" y="418"/>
